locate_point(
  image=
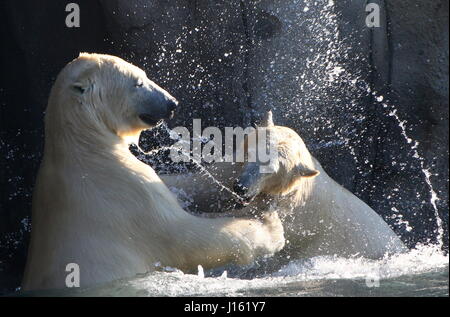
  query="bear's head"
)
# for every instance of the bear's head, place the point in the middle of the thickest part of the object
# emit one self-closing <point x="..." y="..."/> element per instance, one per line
<point x="284" y="172"/>
<point x="104" y="93"/>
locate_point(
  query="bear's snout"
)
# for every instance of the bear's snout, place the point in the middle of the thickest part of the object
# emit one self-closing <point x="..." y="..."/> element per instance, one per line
<point x="155" y="111"/>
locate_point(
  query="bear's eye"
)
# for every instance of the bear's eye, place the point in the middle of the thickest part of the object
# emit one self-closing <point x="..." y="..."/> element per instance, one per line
<point x="139" y="84"/>
<point x="79" y="88"/>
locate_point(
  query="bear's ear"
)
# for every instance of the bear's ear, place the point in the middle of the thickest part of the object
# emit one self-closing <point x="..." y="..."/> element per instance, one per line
<point x="302" y="170"/>
<point x="82" y="73"/>
<point x="81" y="86"/>
<point x="267" y="120"/>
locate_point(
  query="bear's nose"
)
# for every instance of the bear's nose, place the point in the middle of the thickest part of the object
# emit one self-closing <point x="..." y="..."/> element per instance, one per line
<point x="172" y="105"/>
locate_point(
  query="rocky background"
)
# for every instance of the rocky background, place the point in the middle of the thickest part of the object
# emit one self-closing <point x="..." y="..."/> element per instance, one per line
<point x="360" y="97"/>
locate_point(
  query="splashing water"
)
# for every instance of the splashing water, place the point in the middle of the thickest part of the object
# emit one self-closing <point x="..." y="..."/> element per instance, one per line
<point x="196" y="163"/>
<point x="427" y="175"/>
<point x="414" y="147"/>
<point x="201" y="272"/>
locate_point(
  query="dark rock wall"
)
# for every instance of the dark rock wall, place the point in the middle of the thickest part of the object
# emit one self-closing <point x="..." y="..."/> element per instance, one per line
<point x="315" y="63"/>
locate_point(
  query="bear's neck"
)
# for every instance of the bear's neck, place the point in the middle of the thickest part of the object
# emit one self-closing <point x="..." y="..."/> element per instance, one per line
<point x="103" y="169"/>
<point x="69" y="143"/>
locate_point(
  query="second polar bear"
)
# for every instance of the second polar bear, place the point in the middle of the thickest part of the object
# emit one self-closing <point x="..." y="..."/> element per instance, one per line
<point x="320" y="217"/>
<point x="97" y="206"/>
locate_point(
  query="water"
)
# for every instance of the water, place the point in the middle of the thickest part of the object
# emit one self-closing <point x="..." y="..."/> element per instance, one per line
<point x="421" y="272"/>
<point x="196" y="163"/>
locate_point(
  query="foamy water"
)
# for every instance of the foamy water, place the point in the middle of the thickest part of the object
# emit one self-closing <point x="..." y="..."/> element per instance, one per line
<point x="420" y="272"/>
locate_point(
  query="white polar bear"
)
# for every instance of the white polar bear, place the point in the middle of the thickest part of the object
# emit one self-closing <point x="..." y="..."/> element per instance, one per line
<point x="96" y="205"/>
<point x="320" y="217"/>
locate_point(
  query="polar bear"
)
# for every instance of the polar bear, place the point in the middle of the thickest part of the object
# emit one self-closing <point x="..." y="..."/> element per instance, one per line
<point x="95" y="205"/>
<point x="320" y="217"/>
